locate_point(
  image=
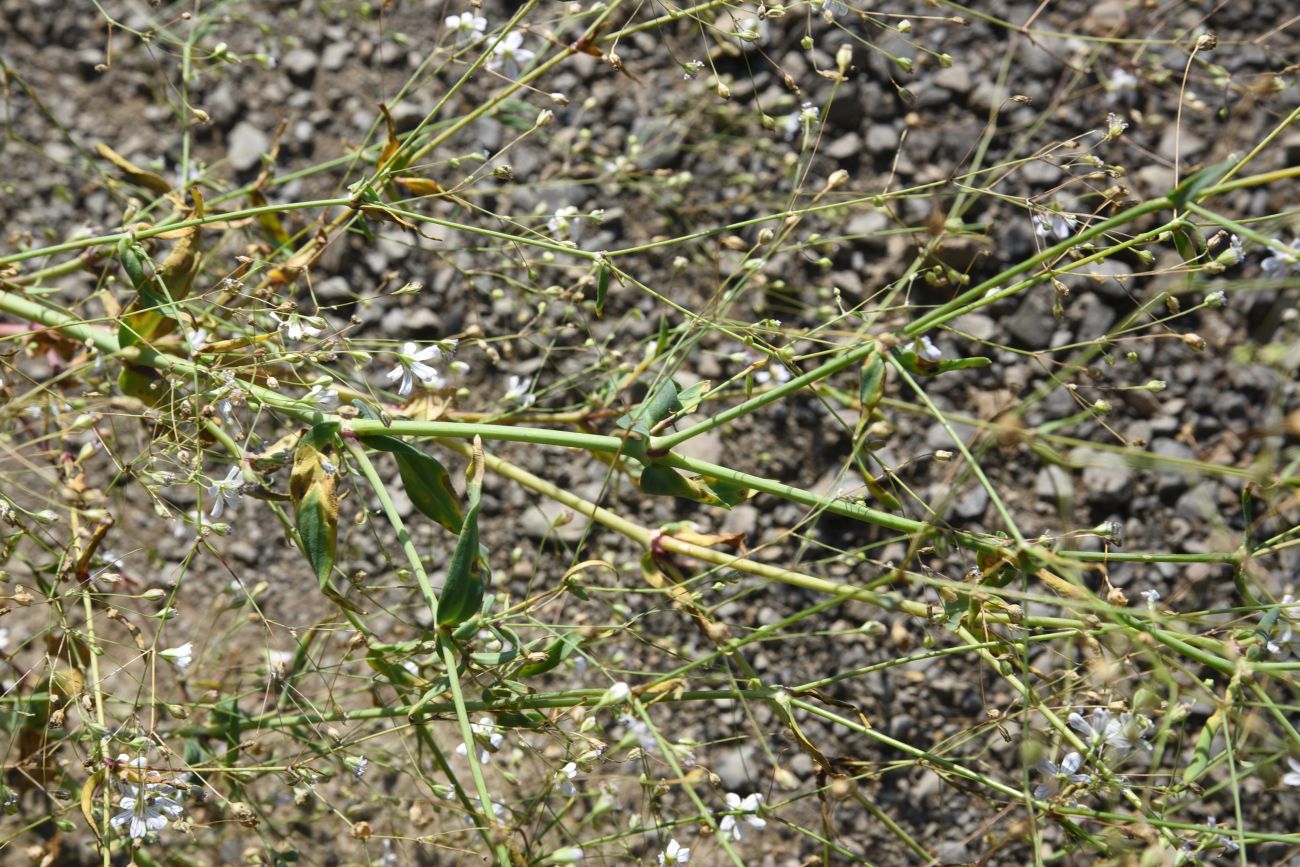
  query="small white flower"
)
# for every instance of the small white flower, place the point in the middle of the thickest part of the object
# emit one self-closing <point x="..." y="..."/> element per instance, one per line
<point x="691" y="69"/>
<point x="197" y="340"/>
<point x="560" y="224"/>
<point x="1122" y="86"/>
<point x="1292" y="777"/>
<point x="1279" y="264"/>
<point x="1058" y="775"/>
<point x="748" y="809"/>
<point x="322" y="397"/>
<point x="297" y="327"/>
<point x="616" y="694"/>
<point x="1115" y="126"/>
<point x="410" y="365"/>
<point x="928" y="351"/>
<point x="467" y="26"/>
<point x="226" y="493"/>
<point x="487" y="737"/>
<point x="1054" y="223"/>
<point x="147" y="808"/>
<point x="1217" y="298"/>
<point x="805" y="121"/>
<point x="358" y="765"/>
<point x="1102" y="731"/>
<point x="520" y="390"/>
<point x="509" y="55"/>
<point x="180" y="656"/>
<point x="676" y="853"/>
<point x="1151" y="596"/>
<point x="566" y="776"/>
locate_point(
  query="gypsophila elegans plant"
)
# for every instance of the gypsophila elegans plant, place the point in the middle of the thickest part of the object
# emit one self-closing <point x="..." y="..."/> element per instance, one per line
<point x="619" y="433"/>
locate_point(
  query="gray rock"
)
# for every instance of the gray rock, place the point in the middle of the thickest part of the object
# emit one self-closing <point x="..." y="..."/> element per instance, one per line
<point x="1054" y="483"/>
<point x="972" y="504"/>
<point x="1107" y="479"/>
<point x="881" y="138"/>
<point x="245" y="146"/>
<point x="846" y="146"/>
<point x="334" y="55"/>
<point x="955" y="78"/>
<point x="1197" y="503"/>
<point x="300" y="65"/>
<point x="1032" y="323"/>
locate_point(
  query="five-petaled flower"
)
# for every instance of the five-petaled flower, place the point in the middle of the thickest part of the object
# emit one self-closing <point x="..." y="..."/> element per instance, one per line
<point x="1279" y="264"/>
<point x="410" y="366"/>
<point x="509" y="55"/>
<point x="227" y="492"/>
<point x="146" y="806"/>
<point x="747" y="808"/>
<point x="520" y="390"/>
<point x="467" y="26"/>
<point x="676" y="853"/>
<point x="1057" y="776"/>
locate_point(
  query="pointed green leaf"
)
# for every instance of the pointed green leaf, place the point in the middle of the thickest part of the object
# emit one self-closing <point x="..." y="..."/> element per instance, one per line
<point x="462" y="593"/>
<point x="658" y="405"/>
<point x="871" y="383"/>
<point x="425" y="480"/>
<point x="559" y="650"/>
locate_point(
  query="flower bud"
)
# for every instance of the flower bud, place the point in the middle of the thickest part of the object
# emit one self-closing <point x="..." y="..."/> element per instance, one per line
<point x="1195" y="341"/>
<point x="544" y="117"/>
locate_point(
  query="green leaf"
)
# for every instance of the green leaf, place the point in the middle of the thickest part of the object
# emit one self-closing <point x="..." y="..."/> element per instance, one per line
<point x="871" y="383"/>
<point x="602" y="285"/>
<point x="665" y="481"/>
<point x="315" y="499"/>
<point x="559" y="650"/>
<point x="658" y="405"/>
<point x="425" y="480"/>
<point x="918" y="366"/>
<point x="1191" y="189"/>
<point x="462" y="593"/>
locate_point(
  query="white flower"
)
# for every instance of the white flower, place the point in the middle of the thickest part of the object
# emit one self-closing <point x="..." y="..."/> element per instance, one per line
<point x="1058" y="775"/>
<point x="691" y="69"/>
<point x="322" y="397"/>
<point x="1102" y="731"/>
<point x="1217" y="298"/>
<point x="559" y="223"/>
<point x="748" y="809"/>
<point x="639" y="730"/>
<point x="1115" y="126"/>
<point x="4" y="638"/>
<point x="927" y="350"/>
<point x="196" y="339"/>
<point x="676" y="853"/>
<point x="147" y="808"/>
<point x="1292" y="777"/>
<point x="616" y="694"/>
<point x="1054" y="223"/>
<point x="520" y="390"/>
<point x="804" y="121"/>
<point x="358" y="765"/>
<point x="487" y="737"/>
<point x="1279" y="264"/>
<point x="509" y="55"/>
<point x="1151" y="596"/>
<point x="467" y="26"/>
<point x="1122" y="86"/>
<point x="180" y="656"/>
<point x="566" y="776"/>
<point x="297" y="327"/>
<point x="410" y="365"/>
<point x="226" y="493"/>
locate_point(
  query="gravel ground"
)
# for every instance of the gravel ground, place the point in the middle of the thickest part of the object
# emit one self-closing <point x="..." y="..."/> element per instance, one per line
<point x="662" y="155"/>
